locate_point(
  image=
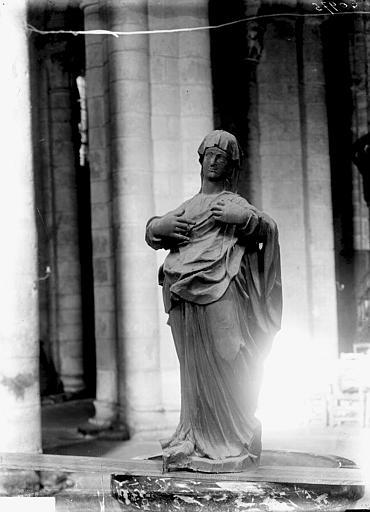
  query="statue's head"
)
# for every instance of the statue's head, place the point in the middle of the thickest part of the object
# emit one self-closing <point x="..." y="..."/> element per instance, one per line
<point x="220" y="156"/>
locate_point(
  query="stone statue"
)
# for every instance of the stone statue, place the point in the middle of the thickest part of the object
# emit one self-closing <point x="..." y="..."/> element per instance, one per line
<point x="222" y="291"/>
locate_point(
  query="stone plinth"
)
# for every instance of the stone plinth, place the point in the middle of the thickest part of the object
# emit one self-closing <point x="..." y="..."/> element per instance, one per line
<point x="284" y="481"/>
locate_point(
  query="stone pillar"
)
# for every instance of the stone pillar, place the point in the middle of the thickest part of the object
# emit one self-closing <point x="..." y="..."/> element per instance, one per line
<point x="317" y="190"/>
<point x="295" y="172"/>
<point x="64" y="229"/>
<point x="359" y="44"/>
<point x="20" y="419"/>
<point x="195" y="91"/>
<point x="283" y="194"/>
<point x="102" y="224"/>
<point x="130" y="116"/>
<point x="181" y="99"/>
<point x="167" y="169"/>
<point x="250" y="179"/>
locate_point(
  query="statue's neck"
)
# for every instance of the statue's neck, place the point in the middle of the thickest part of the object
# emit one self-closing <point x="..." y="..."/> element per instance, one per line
<point x="212" y="187"/>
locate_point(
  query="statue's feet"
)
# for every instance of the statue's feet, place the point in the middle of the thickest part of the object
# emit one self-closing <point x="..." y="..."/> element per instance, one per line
<point x="177" y="454"/>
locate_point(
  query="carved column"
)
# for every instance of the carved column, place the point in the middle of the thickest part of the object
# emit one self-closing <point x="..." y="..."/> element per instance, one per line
<point x="130" y="118"/>
<point x="64" y="227"/>
<point x="20" y="419"/>
<point x="102" y="222"/>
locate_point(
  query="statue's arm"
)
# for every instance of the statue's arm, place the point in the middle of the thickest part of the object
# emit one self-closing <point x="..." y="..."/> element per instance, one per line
<point x="256" y="226"/>
<point x="152" y="238"/>
<point x="169" y="230"/>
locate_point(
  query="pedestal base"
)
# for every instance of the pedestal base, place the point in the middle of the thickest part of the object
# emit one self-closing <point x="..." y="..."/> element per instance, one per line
<point x="286" y="482"/>
<point x="205" y="465"/>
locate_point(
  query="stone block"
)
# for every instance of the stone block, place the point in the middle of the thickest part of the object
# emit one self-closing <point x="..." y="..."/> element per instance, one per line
<point x="69" y="301"/>
<point x="61" y="117"/>
<point x="102" y="242"/>
<point x="280" y="122"/>
<point x="166" y="45"/>
<point x="141" y="353"/>
<point x="99" y="166"/>
<point x="168" y="189"/>
<point x="71" y="371"/>
<point x="104" y="298"/>
<point x="171" y="389"/>
<point x="71" y="268"/>
<point x="96" y="109"/>
<point x="273" y="148"/>
<point x="131" y="160"/>
<point x="318" y="167"/>
<point x="94" y="82"/>
<point x="101" y="216"/>
<point x="60" y="99"/>
<point x="131" y="124"/>
<point x="105" y="329"/>
<point x="69" y="284"/>
<point x="319" y="194"/>
<point x="190" y="157"/>
<point x="165" y="127"/>
<point x="103" y="270"/>
<point x="16" y="439"/>
<point x="98" y="138"/>
<point x="278" y="167"/>
<point x="94" y="53"/>
<point x="70" y="343"/>
<point x="129" y="65"/>
<point x="64" y="175"/>
<point x="195" y="70"/>
<point x="194" y="128"/>
<point x="164" y="70"/>
<point x="166" y="155"/>
<point x="100" y="192"/>
<point x="274" y="74"/>
<point x="268" y="93"/>
<point x="68" y="252"/>
<point x="168" y="356"/>
<point x="70" y="316"/>
<point x="125" y="44"/>
<point x="68" y="235"/>
<point x="130" y="96"/>
<point x="314" y="93"/>
<point x="196" y="99"/>
<point x="143" y="391"/>
<point x="165" y="99"/>
<point x="194" y="44"/>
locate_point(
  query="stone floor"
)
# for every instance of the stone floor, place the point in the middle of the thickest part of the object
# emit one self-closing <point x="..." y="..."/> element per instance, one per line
<point x="60" y="436"/>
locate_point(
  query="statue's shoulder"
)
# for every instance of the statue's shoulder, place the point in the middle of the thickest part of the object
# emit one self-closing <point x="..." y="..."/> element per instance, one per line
<point x="238" y="199"/>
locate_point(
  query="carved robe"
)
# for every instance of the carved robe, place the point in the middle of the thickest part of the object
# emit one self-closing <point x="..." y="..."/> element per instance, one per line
<point x="222" y="291"/>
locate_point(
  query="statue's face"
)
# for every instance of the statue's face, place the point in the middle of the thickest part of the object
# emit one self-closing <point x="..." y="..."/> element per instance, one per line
<point x="215" y="165"/>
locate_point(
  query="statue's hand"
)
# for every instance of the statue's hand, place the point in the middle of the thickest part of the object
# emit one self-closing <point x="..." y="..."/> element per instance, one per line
<point x="173" y="225"/>
<point x="230" y="212"/>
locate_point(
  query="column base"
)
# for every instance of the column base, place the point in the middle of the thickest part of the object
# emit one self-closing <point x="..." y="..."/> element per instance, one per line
<point x="72" y="384"/>
<point x="105" y="423"/>
<point x="14" y="482"/>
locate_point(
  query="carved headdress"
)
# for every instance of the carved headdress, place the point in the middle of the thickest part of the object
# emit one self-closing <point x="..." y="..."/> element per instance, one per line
<point x="228" y="143"/>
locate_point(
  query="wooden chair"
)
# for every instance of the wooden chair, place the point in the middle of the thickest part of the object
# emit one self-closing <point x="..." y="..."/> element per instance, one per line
<point x="348" y="398"/>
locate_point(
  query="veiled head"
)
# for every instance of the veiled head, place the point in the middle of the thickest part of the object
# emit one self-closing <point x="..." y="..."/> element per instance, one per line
<point x="227" y="144"/>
